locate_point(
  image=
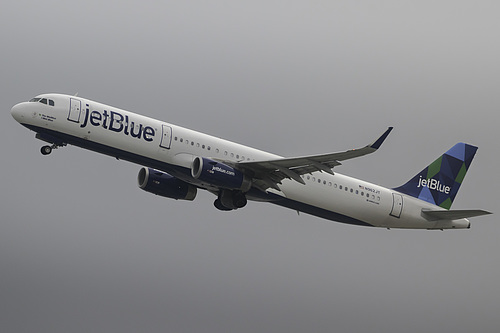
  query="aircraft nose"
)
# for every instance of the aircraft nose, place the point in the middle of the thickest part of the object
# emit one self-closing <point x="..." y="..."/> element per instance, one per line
<point x="17" y="112"/>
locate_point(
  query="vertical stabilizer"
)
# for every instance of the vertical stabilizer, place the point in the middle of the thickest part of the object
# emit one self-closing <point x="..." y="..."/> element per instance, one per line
<point x="440" y="181"/>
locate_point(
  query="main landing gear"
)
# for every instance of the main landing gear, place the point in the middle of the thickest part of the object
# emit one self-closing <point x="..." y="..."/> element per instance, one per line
<point x="229" y="200"/>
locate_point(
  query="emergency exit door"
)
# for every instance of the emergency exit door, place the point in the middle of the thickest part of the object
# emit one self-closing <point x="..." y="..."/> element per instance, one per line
<point x="166" y="136"/>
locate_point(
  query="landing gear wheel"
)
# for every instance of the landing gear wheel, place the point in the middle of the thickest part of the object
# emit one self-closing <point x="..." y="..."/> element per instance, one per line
<point x="239" y="200"/>
<point x="45" y="150"/>
<point x="229" y="200"/>
<point x="218" y="204"/>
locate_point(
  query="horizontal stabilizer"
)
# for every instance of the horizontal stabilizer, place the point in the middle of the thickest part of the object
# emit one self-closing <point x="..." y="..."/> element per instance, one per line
<point x="452" y="214"/>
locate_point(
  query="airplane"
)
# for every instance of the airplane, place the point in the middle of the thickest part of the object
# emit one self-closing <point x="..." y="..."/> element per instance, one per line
<point x="177" y="162"/>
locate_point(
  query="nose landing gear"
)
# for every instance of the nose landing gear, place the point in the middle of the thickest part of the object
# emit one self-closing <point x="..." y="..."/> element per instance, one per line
<point x="45" y="150"/>
<point x="55" y="143"/>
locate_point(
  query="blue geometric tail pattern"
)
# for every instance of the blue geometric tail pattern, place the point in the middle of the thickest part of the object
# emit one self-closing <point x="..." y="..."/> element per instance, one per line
<point x="440" y="181"/>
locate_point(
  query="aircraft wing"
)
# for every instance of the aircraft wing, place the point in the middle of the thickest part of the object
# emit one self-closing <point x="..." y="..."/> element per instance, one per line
<point x="270" y="173"/>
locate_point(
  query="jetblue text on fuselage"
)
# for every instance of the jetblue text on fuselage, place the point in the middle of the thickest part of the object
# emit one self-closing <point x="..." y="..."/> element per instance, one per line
<point x="116" y="122"/>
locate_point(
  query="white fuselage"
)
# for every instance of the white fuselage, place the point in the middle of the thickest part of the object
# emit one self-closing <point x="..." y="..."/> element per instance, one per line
<point x="172" y="149"/>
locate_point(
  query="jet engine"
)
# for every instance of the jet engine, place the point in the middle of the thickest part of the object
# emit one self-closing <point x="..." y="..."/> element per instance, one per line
<point x="219" y="174"/>
<point x="165" y="185"/>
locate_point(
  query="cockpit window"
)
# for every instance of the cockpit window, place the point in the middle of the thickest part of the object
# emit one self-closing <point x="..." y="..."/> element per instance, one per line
<point x="43" y="100"/>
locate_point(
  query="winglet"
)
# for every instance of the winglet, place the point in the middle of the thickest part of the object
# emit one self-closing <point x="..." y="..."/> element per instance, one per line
<point x="378" y="143"/>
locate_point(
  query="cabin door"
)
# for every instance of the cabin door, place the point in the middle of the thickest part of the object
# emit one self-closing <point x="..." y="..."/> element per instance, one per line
<point x="397" y="205"/>
<point x="75" y="108"/>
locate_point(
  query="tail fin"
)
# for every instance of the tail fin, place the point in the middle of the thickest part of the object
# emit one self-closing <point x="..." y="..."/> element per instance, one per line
<point x="440" y="181"/>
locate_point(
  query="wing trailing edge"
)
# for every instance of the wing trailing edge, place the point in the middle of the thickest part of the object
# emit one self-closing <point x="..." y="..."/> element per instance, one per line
<point x="270" y="173"/>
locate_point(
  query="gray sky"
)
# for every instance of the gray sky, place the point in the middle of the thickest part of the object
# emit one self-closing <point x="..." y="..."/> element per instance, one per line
<point x="83" y="249"/>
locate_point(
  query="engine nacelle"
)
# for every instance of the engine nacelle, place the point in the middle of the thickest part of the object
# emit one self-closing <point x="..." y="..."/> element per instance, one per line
<point x="165" y="185"/>
<point x="219" y="174"/>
